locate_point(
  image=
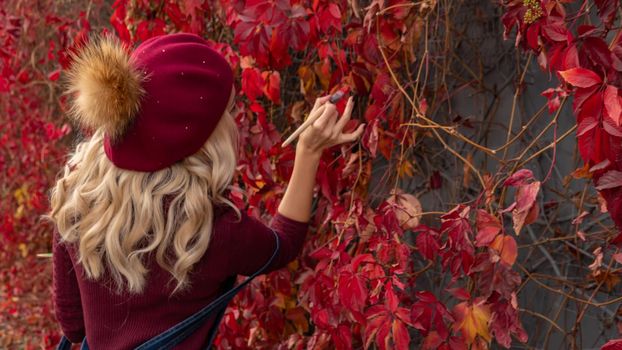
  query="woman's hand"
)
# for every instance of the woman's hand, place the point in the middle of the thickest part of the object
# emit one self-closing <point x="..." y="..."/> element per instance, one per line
<point x="326" y="131"/>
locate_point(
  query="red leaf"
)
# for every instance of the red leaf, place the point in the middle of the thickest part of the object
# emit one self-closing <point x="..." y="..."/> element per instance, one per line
<point x="571" y="57"/>
<point x="118" y="21"/>
<point x="586" y="125"/>
<point x="432" y="341"/>
<point x="581" y="96"/>
<point x="611" y="179"/>
<point x="352" y="291"/>
<point x="590" y="139"/>
<point x="555" y="31"/>
<point x="488" y="227"/>
<point x="382" y="338"/>
<point x="585" y="30"/>
<point x="330" y="17"/>
<point x="401" y="338"/>
<point x="272" y="88"/>
<point x="523" y="213"/>
<point x="436" y="180"/>
<point x="611" y="128"/>
<point x="391" y="299"/>
<point x="322" y="319"/>
<point x="532" y="36"/>
<point x="53" y="76"/>
<point x="505" y="323"/>
<point x="252" y="83"/>
<point x="506" y="246"/>
<point x="23" y="76"/>
<point x="427" y="243"/>
<point x="598" y="51"/>
<point x="460" y="293"/>
<point x="370" y="138"/>
<point x="148" y="29"/>
<point x="580" y="77"/>
<point x="519" y="178"/>
<point x="615" y="344"/>
<point x="600" y="166"/>
<point x="612" y="104"/>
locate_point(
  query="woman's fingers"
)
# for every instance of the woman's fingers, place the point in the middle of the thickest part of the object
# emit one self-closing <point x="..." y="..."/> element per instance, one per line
<point x="351" y="136"/>
<point x="327" y="119"/>
<point x="320" y="101"/>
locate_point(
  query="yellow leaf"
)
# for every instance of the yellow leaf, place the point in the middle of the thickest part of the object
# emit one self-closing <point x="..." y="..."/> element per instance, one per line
<point x="259" y="183"/>
<point x="406" y="169"/>
<point x="21" y="194"/>
<point x="473" y="320"/>
<point x="307" y="79"/>
<point x="19" y="212"/>
<point x="323" y="71"/>
<point x="582" y="172"/>
<point x="24" y="249"/>
<point x="279" y="300"/>
<point x="300" y="319"/>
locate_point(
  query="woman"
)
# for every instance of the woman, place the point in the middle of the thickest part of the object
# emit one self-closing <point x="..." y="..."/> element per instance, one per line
<point x="145" y="234"/>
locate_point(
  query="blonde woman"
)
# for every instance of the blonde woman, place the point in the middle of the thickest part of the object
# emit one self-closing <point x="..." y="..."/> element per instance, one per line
<point x="145" y="236"/>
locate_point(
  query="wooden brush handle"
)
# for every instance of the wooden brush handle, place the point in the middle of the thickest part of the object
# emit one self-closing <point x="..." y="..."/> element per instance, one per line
<point x="313" y="117"/>
<point x="333" y="99"/>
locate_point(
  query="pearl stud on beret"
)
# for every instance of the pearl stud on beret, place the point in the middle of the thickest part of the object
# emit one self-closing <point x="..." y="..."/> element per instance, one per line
<point x="157" y="105"/>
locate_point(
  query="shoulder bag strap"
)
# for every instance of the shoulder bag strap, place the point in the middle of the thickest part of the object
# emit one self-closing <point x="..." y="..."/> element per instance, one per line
<point x="179" y="332"/>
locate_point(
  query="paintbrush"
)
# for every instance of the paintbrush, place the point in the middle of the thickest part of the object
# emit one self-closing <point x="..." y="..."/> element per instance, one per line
<point x="313" y="117"/>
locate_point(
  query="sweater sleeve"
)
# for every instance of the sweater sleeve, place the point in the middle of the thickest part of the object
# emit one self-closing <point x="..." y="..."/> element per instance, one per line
<point x="66" y="293"/>
<point x="254" y="243"/>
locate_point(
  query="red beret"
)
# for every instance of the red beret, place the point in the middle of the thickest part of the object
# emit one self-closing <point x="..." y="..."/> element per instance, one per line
<point x="179" y="91"/>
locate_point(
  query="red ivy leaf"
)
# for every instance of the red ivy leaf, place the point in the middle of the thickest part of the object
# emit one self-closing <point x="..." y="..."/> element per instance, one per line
<point x="526" y="210"/>
<point x="401" y="338"/>
<point x="612" y="104"/>
<point x="252" y="83"/>
<point x="555" y="31"/>
<point x="580" y="77"/>
<point x="488" y="227"/>
<point x="571" y="57"/>
<point x="272" y="88"/>
<point x="427" y="242"/>
<point x="615" y="344"/>
<point x="519" y="178"/>
<point x="611" y="179"/>
<point x="370" y="138"/>
<point x="352" y="291"/>
<point x="506" y="246"/>
<point x="598" y="51"/>
<point x="53" y="76"/>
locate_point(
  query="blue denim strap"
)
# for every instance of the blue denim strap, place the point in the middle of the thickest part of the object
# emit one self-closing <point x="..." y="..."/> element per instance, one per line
<point x="179" y="332"/>
<point x="64" y="344"/>
<point x="176" y="334"/>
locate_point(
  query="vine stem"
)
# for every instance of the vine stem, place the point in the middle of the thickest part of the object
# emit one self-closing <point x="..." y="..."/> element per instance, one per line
<point x="569" y="296"/>
<point x="420" y="115"/>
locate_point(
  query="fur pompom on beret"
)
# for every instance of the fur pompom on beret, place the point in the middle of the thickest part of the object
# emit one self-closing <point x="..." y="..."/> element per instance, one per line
<point x="157" y="103"/>
<point x="104" y="85"/>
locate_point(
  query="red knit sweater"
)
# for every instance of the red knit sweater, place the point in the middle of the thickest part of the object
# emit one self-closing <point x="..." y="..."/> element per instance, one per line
<point x="117" y="322"/>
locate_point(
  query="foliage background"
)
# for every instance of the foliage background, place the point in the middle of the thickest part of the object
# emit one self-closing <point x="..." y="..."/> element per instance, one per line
<point x="451" y="95"/>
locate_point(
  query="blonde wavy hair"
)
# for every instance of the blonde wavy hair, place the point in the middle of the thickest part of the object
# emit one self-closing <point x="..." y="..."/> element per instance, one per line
<point x="116" y="217"/>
